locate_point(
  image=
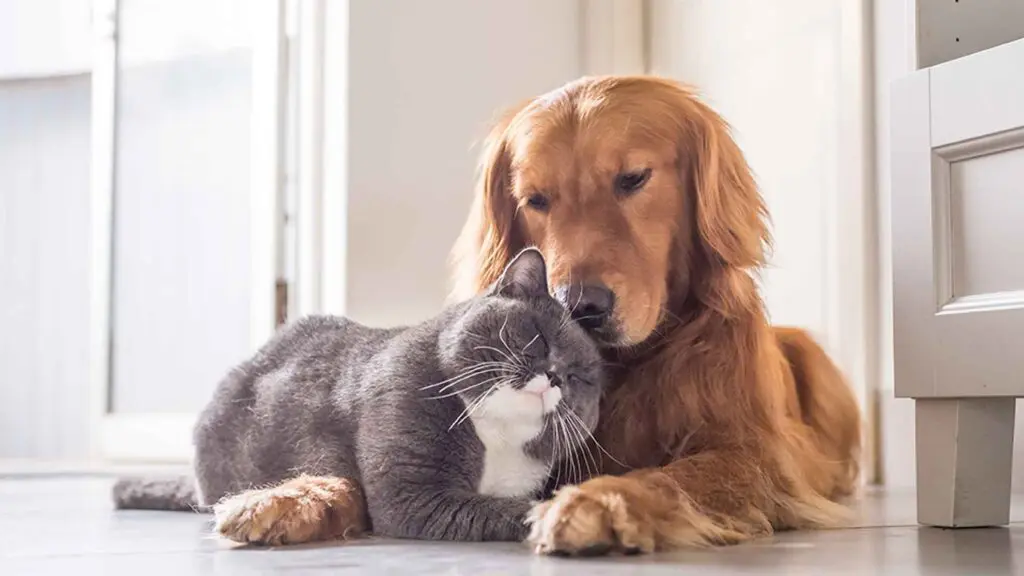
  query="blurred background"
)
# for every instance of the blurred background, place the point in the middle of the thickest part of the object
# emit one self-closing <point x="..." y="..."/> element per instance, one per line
<point x="179" y="176"/>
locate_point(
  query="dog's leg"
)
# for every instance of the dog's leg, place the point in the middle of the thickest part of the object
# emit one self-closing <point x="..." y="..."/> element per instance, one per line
<point x="304" y="509"/>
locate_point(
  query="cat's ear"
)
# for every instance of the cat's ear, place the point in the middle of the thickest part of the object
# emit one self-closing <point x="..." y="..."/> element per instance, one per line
<point x="526" y="276"/>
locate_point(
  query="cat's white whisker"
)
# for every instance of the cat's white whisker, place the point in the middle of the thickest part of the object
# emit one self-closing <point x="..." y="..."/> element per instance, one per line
<point x="554" y="447"/>
<point x="472" y="371"/>
<point x="560" y="457"/>
<point x="570" y="309"/>
<point x="476" y="405"/>
<point x="465" y="411"/>
<point x="566" y="320"/>
<point x="501" y="336"/>
<point x="569" y="452"/>
<point x="530" y="342"/>
<point x="473" y="406"/>
<point x="504" y="354"/>
<point x="577" y="460"/>
<point x="486" y="381"/>
<point x="501" y="332"/>
<point x="476" y="363"/>
<point x="566" y="460"/>
<point x="581" y="434"/>
<point x="481" y="401"/>
<point x="469" y="375"/>
<point x="599" y="446"/>
<point x="580" y="477"/>
<point x="543" y="427"/>
<point x="513" y="361"/>
<point x="579" y="318"/>
<point x="579" y="298"/>
<point x="488" y="373"/>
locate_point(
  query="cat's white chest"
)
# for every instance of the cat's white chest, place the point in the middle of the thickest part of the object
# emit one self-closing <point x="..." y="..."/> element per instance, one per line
<point x="505" y="422"/>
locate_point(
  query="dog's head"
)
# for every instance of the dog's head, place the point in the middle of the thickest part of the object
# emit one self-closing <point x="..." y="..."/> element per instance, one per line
<point x="634" y="191"/>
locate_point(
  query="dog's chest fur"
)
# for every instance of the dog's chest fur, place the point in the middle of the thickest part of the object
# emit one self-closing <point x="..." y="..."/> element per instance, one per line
<point x="505" y="423"/>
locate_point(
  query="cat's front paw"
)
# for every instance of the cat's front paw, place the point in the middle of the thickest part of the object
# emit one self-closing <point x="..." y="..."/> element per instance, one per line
<point x="304" y="509"/>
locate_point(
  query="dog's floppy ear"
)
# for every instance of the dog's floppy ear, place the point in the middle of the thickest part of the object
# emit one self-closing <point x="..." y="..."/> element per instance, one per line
<point x="731" y="217"/>
<point x="490" y="236"/>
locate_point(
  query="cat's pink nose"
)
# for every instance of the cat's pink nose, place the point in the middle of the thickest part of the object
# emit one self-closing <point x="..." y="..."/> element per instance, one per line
<point x="537" y="385"/>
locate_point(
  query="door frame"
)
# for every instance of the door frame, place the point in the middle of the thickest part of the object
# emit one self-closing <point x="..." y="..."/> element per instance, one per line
<point x="166" y="437"/>
<point x="852" y="299"/>
<point x="318" y="229"/>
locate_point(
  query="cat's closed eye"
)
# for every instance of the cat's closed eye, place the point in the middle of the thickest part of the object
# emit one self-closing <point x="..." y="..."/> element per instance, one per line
<point x="577" y="379"/>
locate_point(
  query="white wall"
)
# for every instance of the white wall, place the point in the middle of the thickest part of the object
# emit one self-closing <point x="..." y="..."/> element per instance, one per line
<point x="44" y="37"/>
<point x="774" y="71"/>
<point x="425" y="79"/>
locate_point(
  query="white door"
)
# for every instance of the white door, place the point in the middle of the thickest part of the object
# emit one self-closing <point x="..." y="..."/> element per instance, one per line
<point x="958" y="273"/>
<point x="187" y="115"/>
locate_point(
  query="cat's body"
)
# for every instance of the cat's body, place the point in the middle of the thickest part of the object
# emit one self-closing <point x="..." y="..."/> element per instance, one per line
<point x="449" y="426"/>
<point x="300" y="405"/>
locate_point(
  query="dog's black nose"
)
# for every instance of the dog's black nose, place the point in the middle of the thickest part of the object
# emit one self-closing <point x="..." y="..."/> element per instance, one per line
<point x="590" y="305"/>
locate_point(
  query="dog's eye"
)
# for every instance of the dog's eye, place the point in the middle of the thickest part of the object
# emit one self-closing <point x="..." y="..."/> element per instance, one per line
<point x="629" y="182"/>
<point x="538" y="202"/>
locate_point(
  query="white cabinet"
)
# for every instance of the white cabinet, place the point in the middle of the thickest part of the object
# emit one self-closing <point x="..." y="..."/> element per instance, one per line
<point x="958" y="277"/>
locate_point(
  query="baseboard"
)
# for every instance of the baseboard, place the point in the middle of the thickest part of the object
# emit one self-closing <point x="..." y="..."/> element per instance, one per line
<point x="896" y="420"/>
<point x="149" y="438"/>
<point x="24" y="469"/>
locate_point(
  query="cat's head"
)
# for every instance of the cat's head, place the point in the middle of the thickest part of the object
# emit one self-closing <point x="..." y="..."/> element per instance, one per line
<point x="517" y="343"/>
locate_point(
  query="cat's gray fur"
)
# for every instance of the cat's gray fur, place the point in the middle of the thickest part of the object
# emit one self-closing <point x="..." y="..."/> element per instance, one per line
<point x="328" y="396"/>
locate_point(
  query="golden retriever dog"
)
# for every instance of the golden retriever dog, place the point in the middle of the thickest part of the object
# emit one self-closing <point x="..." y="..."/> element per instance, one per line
<point x="718" y="427"/>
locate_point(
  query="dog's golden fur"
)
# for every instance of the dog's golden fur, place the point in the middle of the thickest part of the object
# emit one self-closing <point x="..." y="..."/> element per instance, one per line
<point x="728" y="428"/>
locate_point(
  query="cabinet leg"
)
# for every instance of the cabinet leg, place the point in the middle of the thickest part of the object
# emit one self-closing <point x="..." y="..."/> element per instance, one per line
<point x="964" y="461"/>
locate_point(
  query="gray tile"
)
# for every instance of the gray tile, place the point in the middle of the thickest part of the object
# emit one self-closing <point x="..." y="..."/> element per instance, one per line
<point x="66" y="526"/>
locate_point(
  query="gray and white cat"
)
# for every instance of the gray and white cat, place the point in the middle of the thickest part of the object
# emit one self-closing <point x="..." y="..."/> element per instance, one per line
<point x="451" y="427"/>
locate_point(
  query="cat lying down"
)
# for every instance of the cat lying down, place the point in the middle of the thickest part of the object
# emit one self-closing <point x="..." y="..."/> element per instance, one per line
<point x="447" y="430"/>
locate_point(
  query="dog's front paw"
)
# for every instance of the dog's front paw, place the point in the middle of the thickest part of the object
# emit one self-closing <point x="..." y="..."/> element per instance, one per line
<point x="305" y="509"/>
<point x="590" y="519"/>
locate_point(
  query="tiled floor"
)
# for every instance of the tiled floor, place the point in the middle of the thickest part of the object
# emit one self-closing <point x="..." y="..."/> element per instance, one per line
<point x="63" y="525"/>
